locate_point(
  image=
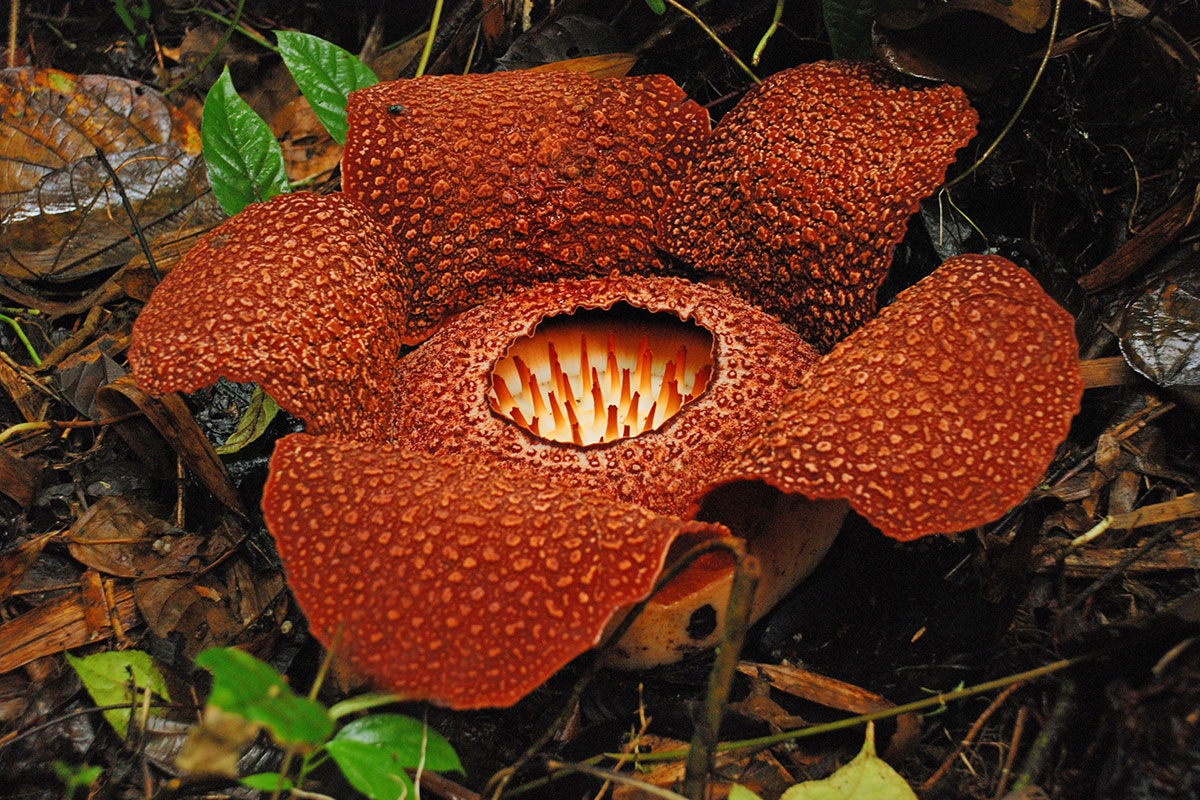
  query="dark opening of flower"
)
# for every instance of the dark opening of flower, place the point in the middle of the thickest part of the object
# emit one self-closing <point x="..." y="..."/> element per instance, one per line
<point x="599" y="375"/>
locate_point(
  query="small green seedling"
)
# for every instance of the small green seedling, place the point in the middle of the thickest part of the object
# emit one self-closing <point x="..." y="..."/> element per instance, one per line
<point x="245" y="162"/>
<point x="373" y="752"/>
<point x="74" y="778"/>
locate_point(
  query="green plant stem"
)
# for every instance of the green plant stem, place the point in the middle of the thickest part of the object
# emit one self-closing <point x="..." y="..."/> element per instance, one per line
<point x="233" y="24"/>
<point x="428" y="49"/>
<point x="15" y="324"/>
<point x="252" y="35"/>
<point x="137" y="228"/>
<point x="713" y="35"/>
<point x="939" y="699"/>
<point x="1037" y="76"/>
<point x="720" y="680"/>
<point x="762" y="43"/>
<point x="290" y="754"/>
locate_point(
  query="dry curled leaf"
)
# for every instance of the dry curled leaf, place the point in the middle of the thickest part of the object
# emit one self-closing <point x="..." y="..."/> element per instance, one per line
<point x="119" y="536"/>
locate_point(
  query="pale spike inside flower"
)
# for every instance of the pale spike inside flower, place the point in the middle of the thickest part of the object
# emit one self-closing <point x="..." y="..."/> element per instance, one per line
<point x="599" y="375"/>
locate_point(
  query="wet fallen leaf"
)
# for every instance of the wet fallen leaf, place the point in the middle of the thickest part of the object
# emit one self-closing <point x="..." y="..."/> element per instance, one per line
<point x="73" y="222"/>
<point x="207" y="610"/>
<point x="52" y="119"/>
<point x="82" y="374"/>
<point x="1025" y="16"/>
<point x="308" y="149"/>
<point x="938" y="41"/>
<point x="15" y="562"/>
<point x="609" y="65"/>
<point x="19" y="479"/>
<point x="62" y="216"/>
<point x="572" y="36"/>
<point x="1160" y="334"/>
<point x="833" y="693"/>
<point x="867" y="777"/>
<point x="177" y="605"/>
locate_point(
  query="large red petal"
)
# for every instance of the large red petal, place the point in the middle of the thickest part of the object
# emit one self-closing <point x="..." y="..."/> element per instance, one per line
<point x="804" y="189"/>
<point x="494" y="181"/>
<point x="300" y="294"/>
<point x="939" y="414"/>
<point x="453" y="580"/>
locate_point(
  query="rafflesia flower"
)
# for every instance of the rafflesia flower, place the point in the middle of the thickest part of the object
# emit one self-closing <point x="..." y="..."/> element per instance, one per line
<point x="473" y="515"/>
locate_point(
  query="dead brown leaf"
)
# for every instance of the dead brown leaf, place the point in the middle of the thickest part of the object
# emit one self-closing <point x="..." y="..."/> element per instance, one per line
<point x="61" y="214"/>
<point x="59" y="625"/>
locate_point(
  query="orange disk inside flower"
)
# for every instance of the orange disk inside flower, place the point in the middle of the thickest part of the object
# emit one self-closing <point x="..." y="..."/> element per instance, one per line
<point x="479" y="383"/>
<point x="596" y="376"/>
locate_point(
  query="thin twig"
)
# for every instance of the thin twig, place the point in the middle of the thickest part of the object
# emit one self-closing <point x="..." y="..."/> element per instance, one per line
<point x="933" y="779"/>
<point x="1118" y="569"/>
<point x="618" y="777"/>
<point x="1039" y="752"/>
<point x="14" y="14"/>
<point x="1037" y="76"/>
<point x="713" y="35"/>
<point x="708" y="726"/>
<point x="233" y="24"/>
<point x="762" y="742"/>
<point x="54" y="424"/>
<point x="937" y="700"/>
<point x="1011" y="756"/>
<point x="16" y="737"/>
<point x="137" y="227"/>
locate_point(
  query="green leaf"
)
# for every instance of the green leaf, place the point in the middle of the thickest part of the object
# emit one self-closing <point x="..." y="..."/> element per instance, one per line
<point x="75" y="777"/>
<point x="848" y="23"/>
<point x="245" y="163"/>
<point x="266" y="781"/>
<point x="259" y="414"/>
<point x="737" y="792"/>
<point x="245" y="686"/>
<point x="326" y="75"/>
<point x="867" y="777"/>
<point x="363" y="702"/>
<point x="657" y="6"/>
<point x="109" y="679"/>
<point x="401" y="738"/>
<point x="371" y="769"/>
